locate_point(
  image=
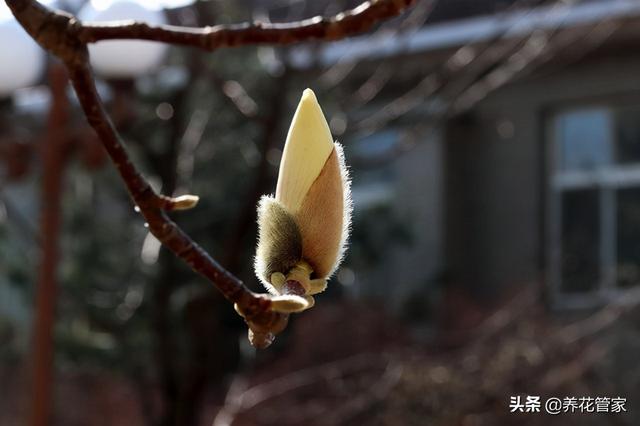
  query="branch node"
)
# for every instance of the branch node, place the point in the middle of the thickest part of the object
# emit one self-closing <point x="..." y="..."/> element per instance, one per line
<point x="56" y="31"/>
<point x="262" y="319"/>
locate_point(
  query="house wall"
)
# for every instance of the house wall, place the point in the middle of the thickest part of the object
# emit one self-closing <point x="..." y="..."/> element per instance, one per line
<point x="495" y="171"/>
<point x="419" y="195"/>
<point x="415" y="197"/>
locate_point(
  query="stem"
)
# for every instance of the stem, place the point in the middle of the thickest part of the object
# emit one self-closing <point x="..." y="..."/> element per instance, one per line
<point x="339" y="26"/>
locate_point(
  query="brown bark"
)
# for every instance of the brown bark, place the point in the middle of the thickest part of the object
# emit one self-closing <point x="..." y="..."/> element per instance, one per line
<point x="344" y="24"/>
<point x="52" y="154"/>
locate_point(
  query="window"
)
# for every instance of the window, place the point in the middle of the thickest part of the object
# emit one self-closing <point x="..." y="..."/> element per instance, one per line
<point x="594" y="203"/>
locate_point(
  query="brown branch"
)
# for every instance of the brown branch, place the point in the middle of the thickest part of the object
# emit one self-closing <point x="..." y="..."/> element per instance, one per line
<point x="255" y="307"/>
<point x="56" y="32"/>
<point x="53" y="160"/>
<point x="67" y="38"/>
<point x="345" y="24"/>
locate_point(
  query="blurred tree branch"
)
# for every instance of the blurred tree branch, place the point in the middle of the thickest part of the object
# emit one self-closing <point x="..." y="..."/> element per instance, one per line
<point x="342" y="25"/>
<point x="53" y="159"/>
<point x="67" y="38"/>
<point x="241" y="398"/>
<point x="247" y="215"/>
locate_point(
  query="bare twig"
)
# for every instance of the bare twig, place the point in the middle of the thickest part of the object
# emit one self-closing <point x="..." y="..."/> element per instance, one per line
<point x="67" y="38"/>
<point x="342" y="25"/>
<point x="621" y="304"/>
<point x="346" y="64"/>
<point x="241" y="398"/>
<point x="269" y="128"/>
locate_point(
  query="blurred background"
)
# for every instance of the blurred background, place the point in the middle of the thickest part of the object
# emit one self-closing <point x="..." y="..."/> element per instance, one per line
<point x="494" y="147"/>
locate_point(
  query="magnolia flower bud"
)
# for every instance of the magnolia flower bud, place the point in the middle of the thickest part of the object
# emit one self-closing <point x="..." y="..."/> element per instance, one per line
<point x="303" y="230"/>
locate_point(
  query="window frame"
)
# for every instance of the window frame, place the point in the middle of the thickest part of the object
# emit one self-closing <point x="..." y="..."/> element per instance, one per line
<point x="606" y="181"/>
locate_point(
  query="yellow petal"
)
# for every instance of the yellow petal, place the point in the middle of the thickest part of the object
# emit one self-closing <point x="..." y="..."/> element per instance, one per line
<point x="308" y="146"/>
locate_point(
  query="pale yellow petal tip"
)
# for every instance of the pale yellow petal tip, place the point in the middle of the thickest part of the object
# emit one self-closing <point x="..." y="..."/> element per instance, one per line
<point x="310" y="117"/>
<point x="309" y="144"/>
<point x="308" y="96"/>
<point x="309" y="113"/>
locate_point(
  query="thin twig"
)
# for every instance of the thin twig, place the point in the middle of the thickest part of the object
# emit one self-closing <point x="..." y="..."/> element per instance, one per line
<point x="241" y="398"/>
<point x="344" y="24"/>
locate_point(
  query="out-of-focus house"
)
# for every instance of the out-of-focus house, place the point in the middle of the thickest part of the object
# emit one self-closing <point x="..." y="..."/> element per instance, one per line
<point x="532" y="173"/>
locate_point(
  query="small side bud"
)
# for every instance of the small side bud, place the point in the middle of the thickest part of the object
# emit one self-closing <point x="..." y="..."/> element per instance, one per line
<point x="277" y="280"/>
<point x="261" y="340"/>
<point x="311" y="301"/>
<point x="288" y="304"/>
<point x="184" y="202"/>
